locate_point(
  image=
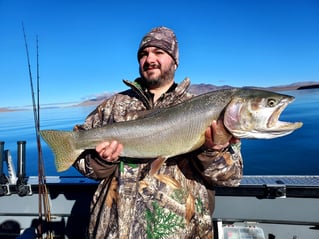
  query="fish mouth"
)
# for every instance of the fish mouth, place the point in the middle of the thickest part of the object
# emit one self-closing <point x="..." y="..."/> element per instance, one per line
<point x="282" y="127"/>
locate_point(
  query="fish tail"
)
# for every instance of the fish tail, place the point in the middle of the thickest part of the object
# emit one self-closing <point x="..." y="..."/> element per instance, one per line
<point x="63" y="146"/>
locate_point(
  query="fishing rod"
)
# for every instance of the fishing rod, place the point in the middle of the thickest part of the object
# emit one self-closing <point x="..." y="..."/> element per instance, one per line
<point x="43" y="195"/>
<point x="43" y="192"/>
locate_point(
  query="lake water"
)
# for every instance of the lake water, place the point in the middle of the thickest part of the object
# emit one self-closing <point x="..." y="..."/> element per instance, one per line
<point x="295" y="154"/>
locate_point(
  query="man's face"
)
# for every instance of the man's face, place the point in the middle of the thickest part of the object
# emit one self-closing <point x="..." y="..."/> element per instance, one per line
<point x="156" y="67"/>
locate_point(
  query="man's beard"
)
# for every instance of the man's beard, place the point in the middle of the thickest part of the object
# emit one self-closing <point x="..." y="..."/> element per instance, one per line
<point x="166" y="76"/>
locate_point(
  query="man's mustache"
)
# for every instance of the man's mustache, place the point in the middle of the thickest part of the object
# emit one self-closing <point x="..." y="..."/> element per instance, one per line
<point x="151" y="66"/>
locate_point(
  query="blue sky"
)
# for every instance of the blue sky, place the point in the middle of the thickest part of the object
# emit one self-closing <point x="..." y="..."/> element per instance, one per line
<point x="87" y="47"/>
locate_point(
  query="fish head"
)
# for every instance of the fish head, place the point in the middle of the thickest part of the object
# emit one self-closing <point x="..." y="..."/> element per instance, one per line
<point x="255" y="114"/>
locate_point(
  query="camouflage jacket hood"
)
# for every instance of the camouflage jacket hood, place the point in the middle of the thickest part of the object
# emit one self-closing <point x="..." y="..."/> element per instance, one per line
<point x="176" y="203"/>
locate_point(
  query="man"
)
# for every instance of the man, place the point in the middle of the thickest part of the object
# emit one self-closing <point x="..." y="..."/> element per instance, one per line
<point x="179" y="201"/>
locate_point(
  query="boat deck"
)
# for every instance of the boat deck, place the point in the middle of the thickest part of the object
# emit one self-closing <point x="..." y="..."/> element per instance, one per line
<point x="284" y="206"/>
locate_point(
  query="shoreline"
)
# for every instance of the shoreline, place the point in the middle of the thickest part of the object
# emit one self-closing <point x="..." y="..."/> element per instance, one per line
<point x="195" y="88"/>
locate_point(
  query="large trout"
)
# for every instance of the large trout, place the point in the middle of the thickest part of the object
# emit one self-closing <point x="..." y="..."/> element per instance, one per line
<point x="246" y="113"/>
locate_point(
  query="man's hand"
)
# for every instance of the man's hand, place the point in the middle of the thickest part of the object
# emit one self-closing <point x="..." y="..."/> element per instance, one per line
<point x="217" y="137"/>
<point x="109" y="151"/>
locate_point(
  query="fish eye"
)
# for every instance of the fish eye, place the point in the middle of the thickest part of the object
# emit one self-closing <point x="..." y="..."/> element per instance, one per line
<point x="271" y="102"/>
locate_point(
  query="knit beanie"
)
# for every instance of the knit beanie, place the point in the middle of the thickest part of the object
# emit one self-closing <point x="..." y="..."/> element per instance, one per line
<point x="163" y="38"/>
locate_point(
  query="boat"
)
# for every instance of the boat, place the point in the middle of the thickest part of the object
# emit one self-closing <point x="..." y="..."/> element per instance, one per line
<point x="273" y="206"/>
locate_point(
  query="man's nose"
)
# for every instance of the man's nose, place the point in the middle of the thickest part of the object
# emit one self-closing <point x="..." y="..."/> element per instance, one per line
<point x="150" y="58"/>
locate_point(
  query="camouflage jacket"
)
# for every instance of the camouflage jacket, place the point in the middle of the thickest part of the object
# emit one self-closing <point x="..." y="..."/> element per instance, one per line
<point x="178" y="202"/>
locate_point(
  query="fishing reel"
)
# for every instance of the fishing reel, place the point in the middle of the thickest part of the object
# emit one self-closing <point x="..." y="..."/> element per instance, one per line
<point x="17" y="182"/>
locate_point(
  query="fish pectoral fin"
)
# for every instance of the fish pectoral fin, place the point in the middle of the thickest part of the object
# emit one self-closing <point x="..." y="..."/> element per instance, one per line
<point x="156" y="165"/>
<point x="190" y="208"/>
<point x="173" y="183"/>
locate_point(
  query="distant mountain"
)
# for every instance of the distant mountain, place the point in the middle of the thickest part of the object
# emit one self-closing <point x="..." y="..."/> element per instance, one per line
<point x="203" y="88"/>
<point x="3" y="109"/>
<point x="296" y="86"/>
<point x="198" y="89"/>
